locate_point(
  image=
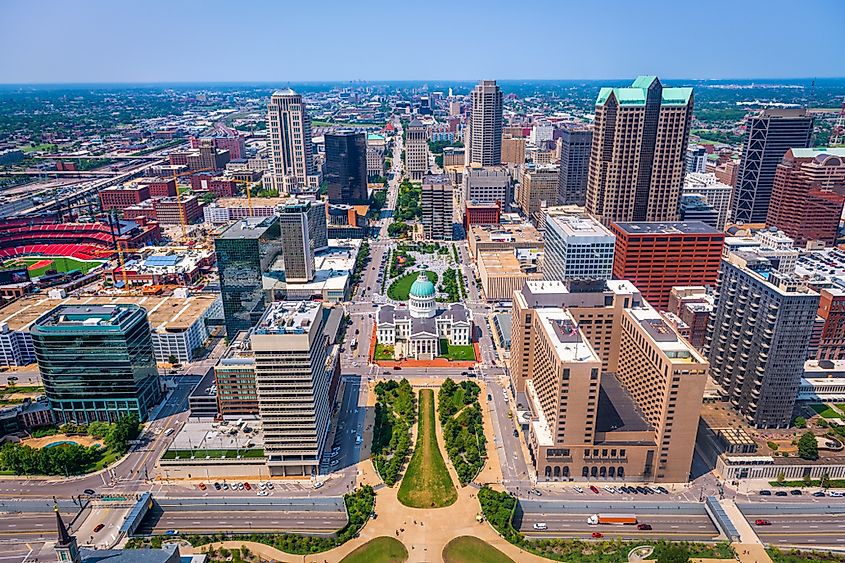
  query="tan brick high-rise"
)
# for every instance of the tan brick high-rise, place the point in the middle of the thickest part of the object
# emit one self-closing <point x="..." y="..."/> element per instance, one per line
<point x="638" y="154"/>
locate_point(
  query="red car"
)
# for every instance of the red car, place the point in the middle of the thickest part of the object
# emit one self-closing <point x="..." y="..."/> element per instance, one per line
<point x="594" y="489"/>
<point x="598" y="535"/>
<point x="246" y="486"/>
<point x="761" y="522"/>
<point x="99" y="527"/>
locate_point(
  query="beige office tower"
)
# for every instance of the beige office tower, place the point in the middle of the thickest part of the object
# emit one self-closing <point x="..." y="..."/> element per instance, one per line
<point x="614" y="392"/>
<point x="637" y="160"/>
<point x="416" y="150"/>
<point x="292" y="166"/>
<point x="538" y="189"/>
<point x="484" y="134"/>
<point x="289" y="346"/>
<point x="513" y="150"/>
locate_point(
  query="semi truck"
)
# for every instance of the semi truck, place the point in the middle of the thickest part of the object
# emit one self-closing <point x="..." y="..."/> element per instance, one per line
<point x="619" y="519"/>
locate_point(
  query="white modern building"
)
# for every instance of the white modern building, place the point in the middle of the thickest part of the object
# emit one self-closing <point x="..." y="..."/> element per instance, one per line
<point x="416" y="331"/>
<point x="577" y="248"/>
<point x="715" y="193"/>
<point x="290" y="347"/>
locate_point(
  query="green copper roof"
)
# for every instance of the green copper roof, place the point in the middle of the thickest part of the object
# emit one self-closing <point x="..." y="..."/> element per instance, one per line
<point x="635" y="95"/>
<point x="422" y="287"/>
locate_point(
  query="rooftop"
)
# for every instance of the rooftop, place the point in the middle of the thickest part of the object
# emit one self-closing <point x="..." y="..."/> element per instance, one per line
<point x="507" y="233"/>
<point x="562" y="331"/>
<point x="576" y="226"/>
<point x="668" y="228"/>
<point x="289" y="317"/>
<point x="248" y="228"/>
<point x="663" y="335"/>
<point x="166" y="314"/>
<point x="501" y="262"/>
<point x="818" y="151"/>
<point x="635" y="95"/>
<point x="617" y="411"/>
<point x="88" y="316"/>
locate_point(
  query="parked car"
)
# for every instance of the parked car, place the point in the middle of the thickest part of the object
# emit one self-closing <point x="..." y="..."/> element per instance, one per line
<point x="818" y="494"/>
<point x="202" y="486"/>
<point x="781" y="494"/>
<point x="318" y="484"/>
<point x="247" y="486"/>
<point x="795" y="492"/>
<point x="765" y="493"/>
<point x="594" y="489"/>
<point x="216" y="486"/>
<point x="515" y="433"/>
<point x="663" y="490"/>
<point x="835" y="494"/>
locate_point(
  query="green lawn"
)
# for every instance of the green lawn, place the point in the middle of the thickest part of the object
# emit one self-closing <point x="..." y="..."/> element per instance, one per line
<point x="217" y="454"/>
<point x="384" y="352"/>
<point x="60" y="264"/>
<point x="379" y="550"/>
<point x="41" y="147"/>
<point x="427" y="483"/>
<point x="467" y="549"/>
<point x="825" y="411"/>
<point x="400" y="288"/>
<point x="795" y="556"/>
<point x="462" y="353"/>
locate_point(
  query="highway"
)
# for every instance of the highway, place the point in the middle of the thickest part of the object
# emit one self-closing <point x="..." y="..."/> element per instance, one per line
<point x="692" y="527"/>
<point x="249" y="521"/>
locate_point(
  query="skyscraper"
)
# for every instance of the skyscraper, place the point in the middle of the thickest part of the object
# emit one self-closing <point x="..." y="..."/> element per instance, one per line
<point x="484" y="138"/>
<point x="769" y="134"/>
<point x="538" y="188"/>
<point x="575" y="145"/>
<point x="637" y="160"/>
<point x="244" y="252"/>
<point x="416" y="150"/>
<point x="436" y="201"/>
<point x="346" y="167"/>
<point x="289" y="347"/>
<point x="297" y="248"/>
<point x="97" y="362"/>
<point x="758" y="336"/>
<point x="808" y="194"/>
<point x="289" y="128"/>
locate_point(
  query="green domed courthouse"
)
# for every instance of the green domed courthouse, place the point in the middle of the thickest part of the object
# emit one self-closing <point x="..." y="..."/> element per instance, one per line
<point x="416" y="331"/>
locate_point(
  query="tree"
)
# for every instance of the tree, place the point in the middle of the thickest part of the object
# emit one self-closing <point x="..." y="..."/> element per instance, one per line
<point x="671" y="553"/>
<point x="781" y="477"/>
<point x="172" y="360"/>
<point x="800" y="422"/>
<point x="824" y="482"/>
<point x="807" y="480"/>
<point x="808" y="447"/>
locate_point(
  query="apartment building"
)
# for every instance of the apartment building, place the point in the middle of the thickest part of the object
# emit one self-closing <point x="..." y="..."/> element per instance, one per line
<point x="436" y="201"/>
<point x="538" y="188"/>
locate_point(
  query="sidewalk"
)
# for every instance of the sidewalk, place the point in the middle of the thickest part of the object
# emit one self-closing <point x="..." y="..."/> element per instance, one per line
<point x="749" y="549"/>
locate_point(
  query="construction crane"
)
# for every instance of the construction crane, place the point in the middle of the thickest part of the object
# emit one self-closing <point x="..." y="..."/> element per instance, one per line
<point x="120" y="248"/>
<point x="838" y="131"/>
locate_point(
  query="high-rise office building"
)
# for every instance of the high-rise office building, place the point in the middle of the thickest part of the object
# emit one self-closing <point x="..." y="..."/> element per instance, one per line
<point x="758" y="336"/>
<point x="575" y="146"/>
<point x="297" y="249"/>
<point x="244" y="252"/>
<point x="637" y="160"/>
<point x="289" y="347"/>
<point x="659" y="256"/>
<point x="715" y="193"/>
<point x="808" y="195"/>
<point x="486" y="184"/>
<point x="538" y="189"/>
<point x="416" y="150"/>
<point x="346" y="167"/>
<point x="234" y="376"/>
<point x="484" y="136"/>
<point x="696" y="159"/>
<point x="291" y="153"/>
<point x="513" y="150"/>
<point x="577" y="248"/>
<point x="613" y="391"/>
<point x="96" y="362"/>
<point x="768" y="135"/>
<point x="436" y="201"/>
<point x="694" y="207"/>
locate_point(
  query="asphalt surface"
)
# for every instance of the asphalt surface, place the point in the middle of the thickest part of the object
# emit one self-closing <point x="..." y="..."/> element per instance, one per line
<point x="692" y="527"/>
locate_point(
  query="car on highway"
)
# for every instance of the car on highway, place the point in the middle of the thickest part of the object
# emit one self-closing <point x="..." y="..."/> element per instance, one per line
<point x="89" y="491"/>
<point x="765" y="493"/>
<point x="645" y="527"/>
<point x="594" y="489"/>
<point x="171" y="533"/>
<point x="262" y="494"/>
<point x="597" y="535"/>
<point x="762" y="522"/>
<point x="541" y="526"/>
<point x="99" y="527"/>
<point x="397" y="367"/>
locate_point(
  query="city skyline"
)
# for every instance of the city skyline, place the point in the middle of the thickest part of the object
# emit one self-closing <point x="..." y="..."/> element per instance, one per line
<point x="741" y="49"/>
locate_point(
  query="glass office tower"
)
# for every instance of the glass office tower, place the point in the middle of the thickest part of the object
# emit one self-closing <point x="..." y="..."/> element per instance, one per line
<point x="97" y="362"/>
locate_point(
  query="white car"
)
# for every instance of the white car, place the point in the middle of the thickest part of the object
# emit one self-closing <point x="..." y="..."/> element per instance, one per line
<point x="579" y="490"/>
<point x="835" y="494"/>
<point x="318" y="484"/>
<point x="541" y="526"/>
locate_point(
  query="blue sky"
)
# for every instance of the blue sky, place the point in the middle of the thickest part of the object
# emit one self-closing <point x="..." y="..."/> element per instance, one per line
<point x="283" y="41"/>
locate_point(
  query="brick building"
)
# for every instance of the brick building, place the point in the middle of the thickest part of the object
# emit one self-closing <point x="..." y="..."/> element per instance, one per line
<point x="121" y="197"/>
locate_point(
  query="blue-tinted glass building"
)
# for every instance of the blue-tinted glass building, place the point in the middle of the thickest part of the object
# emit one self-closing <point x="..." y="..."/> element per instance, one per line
<point x="97" y="362"/>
